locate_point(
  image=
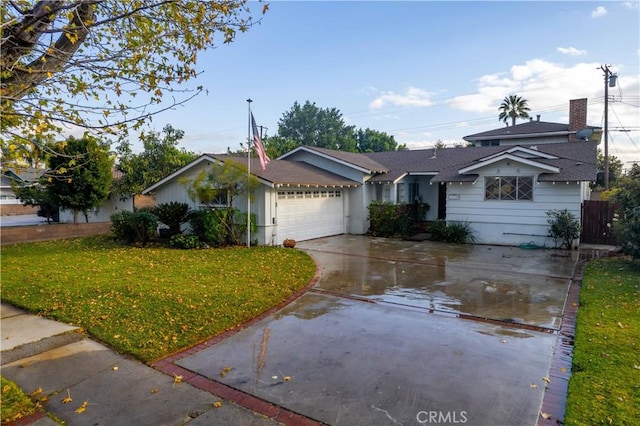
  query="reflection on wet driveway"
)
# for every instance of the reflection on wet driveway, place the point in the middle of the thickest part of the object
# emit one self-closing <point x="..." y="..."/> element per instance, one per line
<point x="499" y="283"/>
<point x="380" y="339"/>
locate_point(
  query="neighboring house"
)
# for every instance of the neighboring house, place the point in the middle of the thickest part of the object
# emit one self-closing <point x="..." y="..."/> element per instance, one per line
<point x="17" y="176"/>
<point x="503" y="190"/>
<point x="542" y="132"/>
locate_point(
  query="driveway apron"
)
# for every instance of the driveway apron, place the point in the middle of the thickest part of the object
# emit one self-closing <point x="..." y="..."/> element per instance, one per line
<point x="398" y="332"/>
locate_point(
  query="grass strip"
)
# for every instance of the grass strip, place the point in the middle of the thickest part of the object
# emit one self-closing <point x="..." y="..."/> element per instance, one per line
<point x="15" y="403"/>
<point x="604" y="388"/>
<point x="154" y="301"/>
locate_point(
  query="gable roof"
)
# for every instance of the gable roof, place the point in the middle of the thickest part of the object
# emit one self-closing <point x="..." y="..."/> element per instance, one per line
<point x="282" y="173"/>
<point x="23" y="174"/>
<point x="571" y="161"/>
<point x="278" y="173"/>
<point x="351" y="159"/>
<point x="530" y="129"/>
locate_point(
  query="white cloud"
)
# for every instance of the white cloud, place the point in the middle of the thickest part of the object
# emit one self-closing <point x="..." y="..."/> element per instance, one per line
<point x="599" y="12"/>
<point x="571" y="51"/>
<point x="412" y="97"/>
<point x="631" y="5"/>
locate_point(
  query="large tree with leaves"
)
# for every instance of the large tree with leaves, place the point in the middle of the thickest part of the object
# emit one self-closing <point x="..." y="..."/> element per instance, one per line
<point x="513" y="107"/>
<point x="160" y="157"/>
<point x="311" y="125"/>
<point x="369" y="140"/>
<point x="79" y="176"/>
<point x="104" y="65"/>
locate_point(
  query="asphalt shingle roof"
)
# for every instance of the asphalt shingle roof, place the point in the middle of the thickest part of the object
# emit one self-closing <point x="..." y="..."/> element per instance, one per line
<point x="291" y="173"/>
<point x="576" y="161"/>
<point x="353" y="158"/>
<point x="525" y="129"/>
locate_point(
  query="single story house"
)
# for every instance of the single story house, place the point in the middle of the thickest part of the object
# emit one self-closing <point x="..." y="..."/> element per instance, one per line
<point x="17" y="176"/>
<point x="503" y="192"/>
<point x="503" y="186"/>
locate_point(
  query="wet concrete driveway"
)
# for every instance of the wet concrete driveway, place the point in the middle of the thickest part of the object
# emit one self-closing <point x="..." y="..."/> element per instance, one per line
<point x="405" y="333"/>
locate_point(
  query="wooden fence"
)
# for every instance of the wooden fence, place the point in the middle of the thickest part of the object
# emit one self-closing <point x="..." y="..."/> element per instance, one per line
<point x="597" y="222"/>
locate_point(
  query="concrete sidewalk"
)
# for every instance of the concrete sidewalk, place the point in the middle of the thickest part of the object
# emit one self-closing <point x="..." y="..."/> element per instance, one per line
<point x="37" y="353"/>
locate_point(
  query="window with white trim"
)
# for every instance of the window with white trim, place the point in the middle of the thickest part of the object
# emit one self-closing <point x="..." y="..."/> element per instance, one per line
<point x="508" y="188"/>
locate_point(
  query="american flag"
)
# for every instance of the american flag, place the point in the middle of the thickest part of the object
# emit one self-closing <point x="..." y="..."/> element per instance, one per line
<point x="262" y="155"/>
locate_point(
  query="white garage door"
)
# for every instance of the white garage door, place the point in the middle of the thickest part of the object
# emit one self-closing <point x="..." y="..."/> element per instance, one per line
<point x="307" y="214"/>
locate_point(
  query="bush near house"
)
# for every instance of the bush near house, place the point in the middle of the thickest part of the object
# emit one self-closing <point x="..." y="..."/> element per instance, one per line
<point x="451" y="232"/>
<point x="564" y="226"/>
<point x="173" y="214"/>
<point x="134" y="227"/>
<point x="395" y="220"/>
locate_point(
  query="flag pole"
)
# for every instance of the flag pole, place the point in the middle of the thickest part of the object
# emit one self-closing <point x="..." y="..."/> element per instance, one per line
<point x="249" y="176"/>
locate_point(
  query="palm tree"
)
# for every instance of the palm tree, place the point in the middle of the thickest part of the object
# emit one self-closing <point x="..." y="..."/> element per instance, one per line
<point x="513" y="106"/>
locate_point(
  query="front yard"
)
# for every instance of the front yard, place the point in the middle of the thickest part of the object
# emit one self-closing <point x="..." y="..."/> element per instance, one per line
<point x="604" y="388"/>
<point x="154" y="301"/>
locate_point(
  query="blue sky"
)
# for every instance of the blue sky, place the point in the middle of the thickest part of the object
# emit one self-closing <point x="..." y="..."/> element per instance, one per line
<point x="422" y="71"/>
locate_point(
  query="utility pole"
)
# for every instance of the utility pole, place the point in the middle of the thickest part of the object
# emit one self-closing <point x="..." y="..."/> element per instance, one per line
<point x="609" y="81"/>
<point x="261" y="128"/>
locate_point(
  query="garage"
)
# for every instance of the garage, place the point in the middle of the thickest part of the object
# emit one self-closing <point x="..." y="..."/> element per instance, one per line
<point x="304" y="214"/>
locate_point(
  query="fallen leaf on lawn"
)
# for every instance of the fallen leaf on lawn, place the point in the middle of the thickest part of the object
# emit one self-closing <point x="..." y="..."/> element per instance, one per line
<point x="82" y="408"/>
<point x="533" y="386"/>
<point x="599" y="397"/>
<point x="217" y="404"/>
<point x="545" y="416"/>
<point x="620" y="324"/>
<point x="546" y="379"/>
<point x="225" y="371"/>
<point x="177" y="379"/>
<point x="605" y="355"/>
<point x="637" y="367"/>
<point x="36" y="392"/>
<point x="18" y="416"/>
<point x="68" y="398"/>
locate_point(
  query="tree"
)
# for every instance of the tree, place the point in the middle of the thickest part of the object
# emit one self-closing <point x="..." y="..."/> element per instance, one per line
<point x="217" y="187"/>
<point x="314" y="126"/>
<point x="79" y="179"/>
<point x="369" y="140"/>
<point x="615" y="168"/>
<point x="160" y="157"/>
<point x="324" y="128"/>
<point x="627" y="228"/>
<point x="104" y="64"/>
<point x="513" y="107"/>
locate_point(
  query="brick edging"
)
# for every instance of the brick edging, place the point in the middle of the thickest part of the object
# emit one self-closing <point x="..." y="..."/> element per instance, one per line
<point x="554" y="400"/>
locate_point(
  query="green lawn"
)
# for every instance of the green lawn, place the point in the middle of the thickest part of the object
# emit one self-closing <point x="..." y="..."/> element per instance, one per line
<point x="154" y="301"/>
<point x="604" y="388"/>
<point x="15" y="403"/>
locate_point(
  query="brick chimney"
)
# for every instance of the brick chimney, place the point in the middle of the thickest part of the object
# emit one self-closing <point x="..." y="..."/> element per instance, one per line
<point x="577" y="117"/>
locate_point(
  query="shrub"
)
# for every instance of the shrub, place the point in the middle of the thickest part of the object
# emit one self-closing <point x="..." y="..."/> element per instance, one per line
<point x="627" y="196"/>
<point x="206" y="225"/>
<point x="394" y="220"/>
<point x="173" y="214"/>
<point x="138" y="226"/>
<point x="563" y="227"/>
<point x="455" y="232"/>
<point x="183" y="241"/>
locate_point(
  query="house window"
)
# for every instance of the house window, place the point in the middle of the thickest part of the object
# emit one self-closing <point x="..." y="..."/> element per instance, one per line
<point x="490" y="142"/>
<point x="508" y="188"/>
<point x="402" y="193"/>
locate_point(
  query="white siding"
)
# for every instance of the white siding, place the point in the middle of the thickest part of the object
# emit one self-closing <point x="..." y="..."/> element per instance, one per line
<point x="511" y="222"/>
